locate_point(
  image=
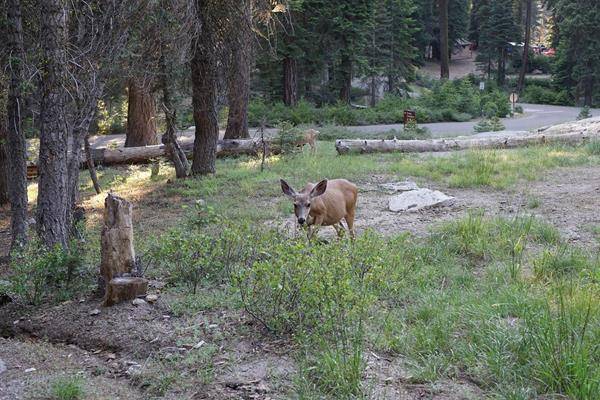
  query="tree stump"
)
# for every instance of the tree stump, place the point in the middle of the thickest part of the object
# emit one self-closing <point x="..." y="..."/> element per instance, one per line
<point x="118" y="254"/>
<point x="127" y="288"/>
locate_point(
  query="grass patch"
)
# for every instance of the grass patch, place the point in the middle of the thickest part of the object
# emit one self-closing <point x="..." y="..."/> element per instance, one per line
<point x="67" y="388"/>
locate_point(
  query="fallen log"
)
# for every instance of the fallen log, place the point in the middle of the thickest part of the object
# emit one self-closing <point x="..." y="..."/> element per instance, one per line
<point x="464" y="143"/>
<point x="138" y="155"/>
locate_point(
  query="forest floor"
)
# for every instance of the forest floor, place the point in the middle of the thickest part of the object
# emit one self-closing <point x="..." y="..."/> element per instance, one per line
<point x="205" y="346"/>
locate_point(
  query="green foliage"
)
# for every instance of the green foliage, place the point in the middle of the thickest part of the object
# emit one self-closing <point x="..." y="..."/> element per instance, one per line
<point x="564" y="335"/>
<point x="67" y="388"/>
<point x="593" y="147"/>
<point x="46" y="274"/>
<point x="489" y="125"/>
<point x="584" y="113"/>
<point x="577" y="64"/>
<point x="457" y="100"/>
<point x="541" y="94"/>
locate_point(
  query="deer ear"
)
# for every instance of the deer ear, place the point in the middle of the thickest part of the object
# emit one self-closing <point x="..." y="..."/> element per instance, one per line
<point x="319" y="189"/>
<point x="287" y="189"/>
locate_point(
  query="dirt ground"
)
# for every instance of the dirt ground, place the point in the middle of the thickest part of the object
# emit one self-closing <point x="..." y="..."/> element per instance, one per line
<point x="247" y="363"/>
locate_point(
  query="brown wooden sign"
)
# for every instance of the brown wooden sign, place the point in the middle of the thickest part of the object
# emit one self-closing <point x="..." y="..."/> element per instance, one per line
<point x="409" y="116"/>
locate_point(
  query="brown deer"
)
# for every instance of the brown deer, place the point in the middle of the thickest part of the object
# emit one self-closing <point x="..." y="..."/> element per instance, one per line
<point x="310" y="138"/>
<point x="324" y="204"/>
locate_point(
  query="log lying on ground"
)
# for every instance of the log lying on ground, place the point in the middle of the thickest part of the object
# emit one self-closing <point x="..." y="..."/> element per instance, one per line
<point x="133" y="155"/>
<point x="463" y="143"/>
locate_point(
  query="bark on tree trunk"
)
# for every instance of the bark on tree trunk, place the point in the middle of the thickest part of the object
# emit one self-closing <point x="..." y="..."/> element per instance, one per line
<point x="90" y="164"/>
<point x="588" y="91"/>
<point x="204" y="95"/>
<point x="290" y="81"/>
<point x="169" y="138"/>
<point x="444" y="45"/>
<point x="525" y="61"/>
<point x="141" y="112"/>
<point x="52" y="205"/>
<point x="17" y="144"/>
<point x="118" y="264"/>
<point x="346" y="78"/>
<point x="239" y="77"/>
<point x="4" y="199"/>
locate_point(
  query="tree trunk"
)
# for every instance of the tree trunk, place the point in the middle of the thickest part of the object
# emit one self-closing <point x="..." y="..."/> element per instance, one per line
<point x="444" y="45"/>
<point x="90" y="164"/>
<point x="501" y="73"/>
<point x="169" y="139"/>
<point x="525" y="61"/>
<point x="52" y="205"/>
<point x="17" y="145"/>
<point x="346" y="78"/>
<point x="4" y="199"/>
<point x="290" y="81"/>
<point x="141" y="110"/>
<point x="204" y="94"/>
<point x="239" y="77"/>
<point x="373" y="88"/>
<point x="438" y="145"/>
<point x="588" y="91"/>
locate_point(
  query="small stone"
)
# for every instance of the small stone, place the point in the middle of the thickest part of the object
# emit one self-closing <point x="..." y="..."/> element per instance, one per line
<point x="134" y="370"/>
<point x="212" y="326"/>
<point x="200" y="202"/>
<point x="199" y="344"/>
<point x="138" y="302"/>
<point x="111" y="356"/>
<point x="95" y="311"/>
<point x="30" y="370"/>
<point x="151" y="298"/>
<point x="388" y="380"/>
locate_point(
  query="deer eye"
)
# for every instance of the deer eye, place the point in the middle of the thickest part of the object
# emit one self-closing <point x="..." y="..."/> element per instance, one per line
<point x="308" y="205"/>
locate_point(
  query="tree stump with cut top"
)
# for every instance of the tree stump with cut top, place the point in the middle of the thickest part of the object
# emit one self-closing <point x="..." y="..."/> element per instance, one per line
<point x="117" y="268"/>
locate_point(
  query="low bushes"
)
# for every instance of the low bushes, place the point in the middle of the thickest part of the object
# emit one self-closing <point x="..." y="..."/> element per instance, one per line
<point x="457" y="100"/>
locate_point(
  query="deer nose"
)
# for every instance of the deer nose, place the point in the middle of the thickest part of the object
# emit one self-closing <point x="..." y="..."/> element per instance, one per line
<point x="301" y="221"/>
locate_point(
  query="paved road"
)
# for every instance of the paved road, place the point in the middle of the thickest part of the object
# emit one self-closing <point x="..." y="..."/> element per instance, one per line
<point x="534" y="117"/>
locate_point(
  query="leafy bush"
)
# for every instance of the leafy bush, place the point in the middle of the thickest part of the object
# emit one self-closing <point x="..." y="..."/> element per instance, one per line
<point x="541" y="94"/>
<point x="456" y="100"/>
<point x="584" y="113"/>
<point x="489" y="125"/>
<point x="40" y="274"/>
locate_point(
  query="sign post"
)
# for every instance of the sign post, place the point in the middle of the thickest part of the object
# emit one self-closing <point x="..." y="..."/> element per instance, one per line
<point x="409" y="116"/>
<point x="514" y="97"/>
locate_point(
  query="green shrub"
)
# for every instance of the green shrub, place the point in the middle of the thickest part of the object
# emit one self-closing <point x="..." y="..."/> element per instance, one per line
<point x="584" y="113"/>
<point x="40" y="274"/>
<point x="489" y="125"/>
<point x="67" y="388"/>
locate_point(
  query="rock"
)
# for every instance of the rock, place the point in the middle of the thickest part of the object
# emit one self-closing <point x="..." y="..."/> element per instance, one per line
<point x="395" y="187"/>
<point x="200" y="203"/>
<point x="30" y="370"/>
<point x="199" y="344"/>
<point x="95" y="311"/>
<point x="2" y="366"/>
<point x="415" y="200"/>
<point x="134" y="370"/>
<point x="138" y="302"/>
<point x="151" y="298"/>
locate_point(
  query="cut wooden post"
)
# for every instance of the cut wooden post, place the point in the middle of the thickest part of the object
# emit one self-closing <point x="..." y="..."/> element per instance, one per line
<point x="118" y="254"/>
<point x="127" y="288"/>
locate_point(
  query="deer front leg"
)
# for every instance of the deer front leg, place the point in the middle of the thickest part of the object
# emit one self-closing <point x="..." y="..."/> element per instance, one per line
<point x="313" y="227"/>
<point x="339" y="229"/>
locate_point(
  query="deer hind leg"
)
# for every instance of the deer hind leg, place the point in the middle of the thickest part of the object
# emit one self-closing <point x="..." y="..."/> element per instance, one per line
<point x="339" y="229"/>
<point x="350" y="222"/>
